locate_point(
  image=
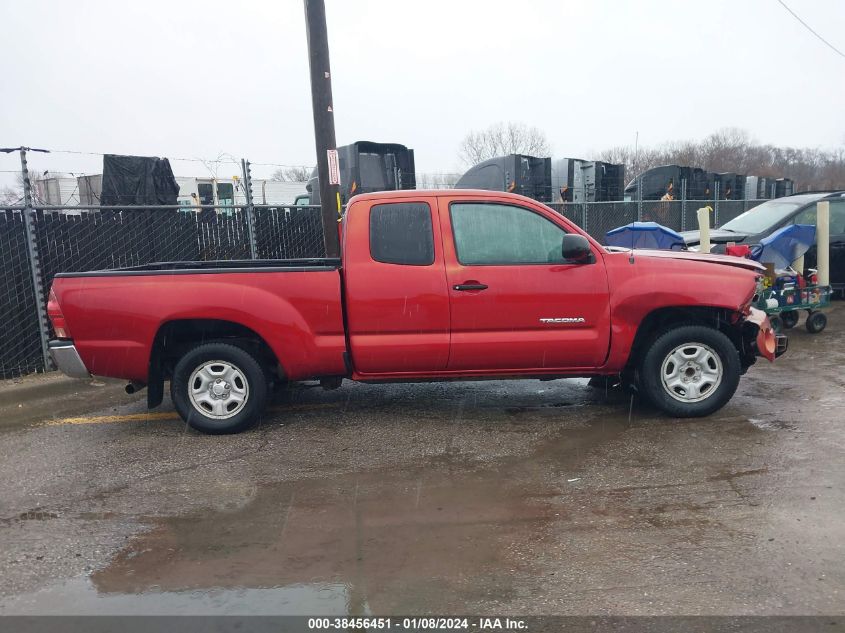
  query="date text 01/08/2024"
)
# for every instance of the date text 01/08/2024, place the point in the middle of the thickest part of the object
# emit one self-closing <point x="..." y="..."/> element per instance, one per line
<point x="417" y="623"/>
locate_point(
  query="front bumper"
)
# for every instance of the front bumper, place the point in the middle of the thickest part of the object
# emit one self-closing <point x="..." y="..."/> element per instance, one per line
<point x="66" y="358"/>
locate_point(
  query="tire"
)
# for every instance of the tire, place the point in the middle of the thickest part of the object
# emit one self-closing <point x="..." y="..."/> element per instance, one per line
<point x="776" y="321"/>
<point x="790" y="319"/>
<point x="816" y="322"/>
<point x="219" y="388"/>
<point x="690" y="371"/>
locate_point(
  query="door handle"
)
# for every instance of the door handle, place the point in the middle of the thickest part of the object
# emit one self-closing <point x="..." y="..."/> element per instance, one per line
<point x="470" y="287"/>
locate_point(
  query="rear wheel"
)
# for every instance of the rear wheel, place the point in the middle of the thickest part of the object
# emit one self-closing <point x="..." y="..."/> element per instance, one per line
<point x="219" y="388"/>
<point x="776" y="321"/>
<point x="690" y="371"/>
<point x="816" y="322"/>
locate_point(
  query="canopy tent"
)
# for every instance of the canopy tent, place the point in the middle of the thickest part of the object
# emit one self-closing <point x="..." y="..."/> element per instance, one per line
<point x="645" y="235"/>
<point x="785" y="245"/>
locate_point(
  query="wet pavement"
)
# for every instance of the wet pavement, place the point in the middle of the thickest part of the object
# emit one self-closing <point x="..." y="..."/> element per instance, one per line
<point x="521" y="497"/>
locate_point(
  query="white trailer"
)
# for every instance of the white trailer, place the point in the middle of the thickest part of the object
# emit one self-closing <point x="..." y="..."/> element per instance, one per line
<point x="57" y="191"/>
<point x="196" y="191"/>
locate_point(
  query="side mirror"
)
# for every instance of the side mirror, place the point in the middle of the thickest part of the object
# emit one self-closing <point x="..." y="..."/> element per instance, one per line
<point x="576" y="249"/>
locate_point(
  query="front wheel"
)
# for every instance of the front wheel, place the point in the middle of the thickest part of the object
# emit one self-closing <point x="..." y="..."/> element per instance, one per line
<point x="690" y="371"/>
<point x="219" y="388"/>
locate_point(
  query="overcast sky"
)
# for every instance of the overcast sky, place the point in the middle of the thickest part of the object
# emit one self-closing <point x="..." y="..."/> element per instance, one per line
<point x="197" y="79"/>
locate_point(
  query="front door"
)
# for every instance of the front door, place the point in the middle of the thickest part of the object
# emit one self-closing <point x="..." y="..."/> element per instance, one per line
<point x="515" y="303"/>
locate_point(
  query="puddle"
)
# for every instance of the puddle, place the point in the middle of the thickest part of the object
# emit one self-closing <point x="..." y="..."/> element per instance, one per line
<point x="394" y="542"/>
<point x="384" y="541"/>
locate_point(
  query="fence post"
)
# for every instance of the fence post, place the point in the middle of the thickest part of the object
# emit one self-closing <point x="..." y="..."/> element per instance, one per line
<point x="716" y="204"/>
<point x="34" y="261"/>
<point x="684" y="205"/>
<point x="640" y="199"/>
<point x="250" y="209"/>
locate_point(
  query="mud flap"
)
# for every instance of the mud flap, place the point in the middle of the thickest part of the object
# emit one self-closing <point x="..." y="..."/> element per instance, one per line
<point x="155" y="388"/>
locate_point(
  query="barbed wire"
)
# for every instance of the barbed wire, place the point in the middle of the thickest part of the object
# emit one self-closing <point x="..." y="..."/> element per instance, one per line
<point x="225" y="158"/>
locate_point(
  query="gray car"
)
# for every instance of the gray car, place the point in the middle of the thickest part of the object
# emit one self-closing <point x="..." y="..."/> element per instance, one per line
<point x="763" y="220"/>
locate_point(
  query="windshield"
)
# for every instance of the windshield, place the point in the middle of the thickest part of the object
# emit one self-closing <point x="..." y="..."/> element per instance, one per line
<point x="763" y="217"/>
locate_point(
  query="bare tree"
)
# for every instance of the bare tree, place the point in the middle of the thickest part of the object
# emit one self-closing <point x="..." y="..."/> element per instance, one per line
<point x="733" y="150"/>
<point x="437" y="180"/>
<point x="9" y="197"/>
<point x="12" y="196"/>
<point x="501" y="139"/>
<point x="299" y="173"/>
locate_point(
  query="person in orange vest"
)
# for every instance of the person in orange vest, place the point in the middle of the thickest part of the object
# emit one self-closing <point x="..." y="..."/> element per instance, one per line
<point x="564" y="193"/>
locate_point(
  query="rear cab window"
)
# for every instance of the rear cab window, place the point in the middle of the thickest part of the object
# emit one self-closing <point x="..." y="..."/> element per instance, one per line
<point x="402" y="233"/>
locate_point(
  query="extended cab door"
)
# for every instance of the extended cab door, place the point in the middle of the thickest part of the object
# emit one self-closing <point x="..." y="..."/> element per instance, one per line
<point x="515" y="303"/>
<point x="397" y="305"/>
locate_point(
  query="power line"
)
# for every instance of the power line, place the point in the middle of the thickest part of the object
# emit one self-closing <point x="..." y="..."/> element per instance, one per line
<point x="810" y="29"/>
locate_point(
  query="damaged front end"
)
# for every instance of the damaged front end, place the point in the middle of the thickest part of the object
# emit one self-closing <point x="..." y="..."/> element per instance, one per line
<point x="759" y="338"/>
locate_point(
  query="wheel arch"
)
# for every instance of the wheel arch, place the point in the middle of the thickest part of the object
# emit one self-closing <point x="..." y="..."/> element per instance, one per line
<point x="663" y="318"/>
<point x="175" y="337"/>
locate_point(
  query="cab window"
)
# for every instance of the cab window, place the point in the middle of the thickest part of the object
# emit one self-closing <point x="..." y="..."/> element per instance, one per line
<point x="402" y="233"/>
<point x="500" y="234"/>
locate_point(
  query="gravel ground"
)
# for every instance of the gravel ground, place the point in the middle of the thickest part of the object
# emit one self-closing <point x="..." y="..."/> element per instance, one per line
<point x="521" y="497"/>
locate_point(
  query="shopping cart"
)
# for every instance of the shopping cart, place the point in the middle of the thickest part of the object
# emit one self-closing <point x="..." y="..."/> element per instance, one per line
<point x="784" y="304"/>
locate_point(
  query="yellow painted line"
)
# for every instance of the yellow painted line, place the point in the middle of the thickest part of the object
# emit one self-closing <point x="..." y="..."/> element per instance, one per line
<point x="106" y="419"/>
<point x="168" y="415"/>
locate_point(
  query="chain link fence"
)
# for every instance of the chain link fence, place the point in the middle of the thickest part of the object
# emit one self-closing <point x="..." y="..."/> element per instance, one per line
<point x="20" y="341"/>
<point x="288" y="232"/>
<point x="597" y="218"/>
<point x="75" y="239"/>
<point x="83" y="238"/>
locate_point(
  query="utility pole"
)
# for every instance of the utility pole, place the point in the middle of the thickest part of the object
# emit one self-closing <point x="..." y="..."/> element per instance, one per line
<point x="324" y="137"/>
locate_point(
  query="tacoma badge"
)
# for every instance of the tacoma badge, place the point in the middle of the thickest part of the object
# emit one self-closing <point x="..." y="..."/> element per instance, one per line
<point x="563" y="320"/>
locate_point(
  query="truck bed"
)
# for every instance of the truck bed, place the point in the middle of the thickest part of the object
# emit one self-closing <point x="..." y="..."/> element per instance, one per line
<point x="218" y="266"/>
<point x="293" y="305"/>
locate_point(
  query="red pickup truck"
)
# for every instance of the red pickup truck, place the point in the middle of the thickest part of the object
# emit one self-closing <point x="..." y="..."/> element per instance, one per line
<point x="432" y="285"/>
